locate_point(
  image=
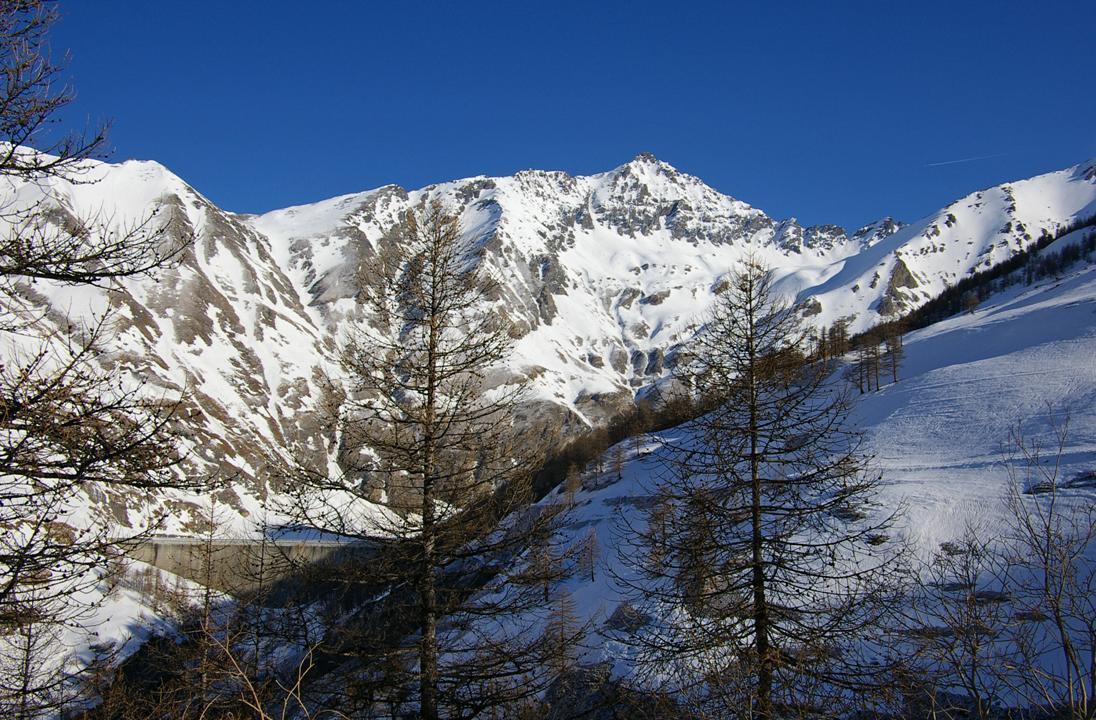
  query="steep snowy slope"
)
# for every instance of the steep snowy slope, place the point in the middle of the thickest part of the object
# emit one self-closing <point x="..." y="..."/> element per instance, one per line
<point x="222" y="327"/>
<point x="984" y="228"/>
<point x="939" y="436"/>
<point x="1022" y="364"/>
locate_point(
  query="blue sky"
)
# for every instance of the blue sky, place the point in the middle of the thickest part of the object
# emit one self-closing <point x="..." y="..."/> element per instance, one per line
<point x="831" y="112"/>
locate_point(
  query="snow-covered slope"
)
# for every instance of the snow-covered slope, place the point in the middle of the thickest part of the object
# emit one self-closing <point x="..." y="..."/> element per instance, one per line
<point x="222" y="328"/>
<point x="984" y="228"/>
<point x="604" y="278"/>
<point x="1022" y="363"/>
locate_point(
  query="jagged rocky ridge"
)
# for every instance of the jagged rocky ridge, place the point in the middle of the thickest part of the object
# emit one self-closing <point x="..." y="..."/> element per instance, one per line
<point x="603" y="276"/>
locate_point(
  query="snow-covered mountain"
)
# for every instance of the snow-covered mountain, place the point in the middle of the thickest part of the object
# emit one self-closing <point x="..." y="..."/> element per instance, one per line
<point x="223" y="329"/>
<point x="607" y="274"/>
<point x="917" y="261"/>
<point x="604" y="277"/>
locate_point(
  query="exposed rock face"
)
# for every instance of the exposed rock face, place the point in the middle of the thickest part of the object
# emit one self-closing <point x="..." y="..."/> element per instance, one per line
<point x="793" y="238"/>
<point x="894" y="301"/>
<point x="602" y="278"/>
<point x="876" y="231"/>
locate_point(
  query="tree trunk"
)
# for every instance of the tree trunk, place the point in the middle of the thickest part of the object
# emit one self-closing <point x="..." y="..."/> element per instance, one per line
<point x="428" y="655"/>
<point x="428" y="649"/>
<point x="761" y="610"/>
<point x="875" y="363"/>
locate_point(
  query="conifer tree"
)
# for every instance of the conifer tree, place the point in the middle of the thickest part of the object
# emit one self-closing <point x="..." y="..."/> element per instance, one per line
<point x="70" y="427"/>
<point x="770" y="566"/>
<point x="434" y="470"/>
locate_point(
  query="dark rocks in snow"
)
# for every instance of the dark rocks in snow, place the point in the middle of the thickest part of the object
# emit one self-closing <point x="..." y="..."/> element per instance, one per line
<point x="655" y="298"/>
<point x="895" y="301"/>
<point x="629" y="296"/>
<point x="626" y="618"/>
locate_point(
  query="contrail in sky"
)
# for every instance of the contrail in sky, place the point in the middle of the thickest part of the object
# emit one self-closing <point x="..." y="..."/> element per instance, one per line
<point x="965" y="160"/>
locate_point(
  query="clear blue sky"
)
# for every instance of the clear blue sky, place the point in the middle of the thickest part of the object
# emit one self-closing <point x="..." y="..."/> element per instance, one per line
<point x="831" y="112"/>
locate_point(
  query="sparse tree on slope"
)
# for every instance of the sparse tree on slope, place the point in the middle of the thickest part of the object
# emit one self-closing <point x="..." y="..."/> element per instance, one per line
<point x="68" y="427"/>
<point x="1006" y="616"/>
<point x="429" y="437"/>
<point x="770" y="555"/>
<point x="1051" y="540"/>
<point x="892" y="340"/>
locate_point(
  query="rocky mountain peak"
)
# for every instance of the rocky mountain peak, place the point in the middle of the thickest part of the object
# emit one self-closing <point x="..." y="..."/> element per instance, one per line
<point x="1087" y="170"/>
<point x="646" y="162"/>
<point x="602" y="277"/>
<point x="872" y="233"/>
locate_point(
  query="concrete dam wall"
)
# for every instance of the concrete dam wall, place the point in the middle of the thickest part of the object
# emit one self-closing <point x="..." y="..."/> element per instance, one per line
<point x="239" y="566"/>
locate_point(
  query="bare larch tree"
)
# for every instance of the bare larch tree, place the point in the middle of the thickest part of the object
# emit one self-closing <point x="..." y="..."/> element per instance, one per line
<point x="434" y="470"/>
<point x="763" y="560"/>
<point x="69" y="426"/>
